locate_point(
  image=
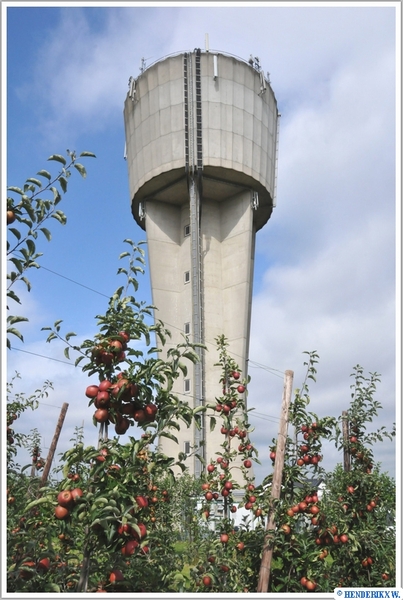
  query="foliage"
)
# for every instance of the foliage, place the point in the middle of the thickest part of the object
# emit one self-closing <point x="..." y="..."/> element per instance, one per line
<point x="17" y="403"/>
<point x="137" y="528"/>
<point x="28" y="207"/>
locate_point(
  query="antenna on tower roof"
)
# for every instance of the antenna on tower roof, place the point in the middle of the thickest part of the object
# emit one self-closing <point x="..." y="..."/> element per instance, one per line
<point x="206" y="43"/>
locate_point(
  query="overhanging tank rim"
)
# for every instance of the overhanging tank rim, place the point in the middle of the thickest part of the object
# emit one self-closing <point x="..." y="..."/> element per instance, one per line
<point x="150" y="189"/>
<point x="212" y="51"/>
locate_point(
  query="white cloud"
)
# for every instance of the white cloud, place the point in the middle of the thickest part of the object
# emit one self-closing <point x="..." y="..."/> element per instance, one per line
<point x="87" y="68"/>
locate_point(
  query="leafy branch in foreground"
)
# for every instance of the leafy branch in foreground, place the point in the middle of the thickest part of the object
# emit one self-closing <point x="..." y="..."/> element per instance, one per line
<point x="28" y="209"/>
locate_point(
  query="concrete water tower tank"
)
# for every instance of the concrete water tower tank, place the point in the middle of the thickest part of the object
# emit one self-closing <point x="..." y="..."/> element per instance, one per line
<point x="201" y="147"/>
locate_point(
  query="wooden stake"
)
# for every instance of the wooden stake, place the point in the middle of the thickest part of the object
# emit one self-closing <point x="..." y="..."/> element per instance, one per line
<point x="53" y="445"/>
<point x="346" y="452"/>
<point x="264" y="575"/>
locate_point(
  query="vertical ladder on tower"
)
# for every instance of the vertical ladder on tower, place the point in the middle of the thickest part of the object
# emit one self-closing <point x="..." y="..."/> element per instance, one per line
<point x="194" y="159"/>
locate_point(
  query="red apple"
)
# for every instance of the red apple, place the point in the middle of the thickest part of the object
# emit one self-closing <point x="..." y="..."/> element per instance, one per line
<point x="130" y="547"/>
<point x="105" y="385"/>
<point x="142" y="529"/>
<point x="61" y="512"/>
<point x="142" y="501"/>
<point x="241" y="389"/>
<point x="116" y="346"/>
<point x="139" y="415"/>
<point x="102" y="400"/>
<point x="150" y="410"/>
<point x="43" y="565"/>
<point x="76" y="494"/>
<point x="101" y="415"/>
<point x="65" y="498"/>
<point x="10" y="217"/>
<point x="122" y="426"/>
<point x="124" y="528"/>
<point x="116" y="575"/>
<point x="91" y="391"/>
<point x="247" y="463"/>
<point x="125" y="336"/>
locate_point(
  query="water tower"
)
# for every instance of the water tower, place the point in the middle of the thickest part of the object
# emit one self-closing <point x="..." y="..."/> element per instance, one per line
<point x="201" y="147"/>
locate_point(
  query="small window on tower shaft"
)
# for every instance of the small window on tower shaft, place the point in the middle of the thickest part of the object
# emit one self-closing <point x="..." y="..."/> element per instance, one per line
<point x="186" y="447"/>
<point x="187" y="328"/>
<point x="186" y="386"/>
<point x="187" y="230"/>
<point x="187" y="276"/>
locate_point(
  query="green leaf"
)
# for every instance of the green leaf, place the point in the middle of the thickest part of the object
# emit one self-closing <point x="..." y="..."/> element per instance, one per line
<point x="26" y="281"/>
<point x="56" y="195"/>
<point x="52" y="587"/>
<point x="58" y="157"/>
<point x="30" y="211"/>
<point x="16" y="189"/>
<point x="17" y="263"/>
<point x="66" y="353"/>
<point x="43" y="500"/>
<point x="59" y="216"/>
<point x="51" y="336"/>
<point x="15" y="332"/>
<point x="14" y="319"/>
<point x="69" y="335"/>
<point x="13" y="296"/>
<point x="15" y="232"/>
<point x="124" y="254"/>
<point x="168" y="435"/>
<point x="44" y="173"/>
<point x="81" y="169"/>
<point x="86" y="153"/>
<point x="63" y="183"/>
<point x="35" y="181"/>
<point x="213" y="422"/>
<point x="46" y="233"/>
<point x="30" y="246"/>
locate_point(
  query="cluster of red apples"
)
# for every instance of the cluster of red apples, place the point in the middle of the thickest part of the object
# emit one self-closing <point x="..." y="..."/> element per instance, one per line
<point x="308" y="450"/>
<point x="357" y="449"/>
<point x="66" y="501"/>
<point x="112" y="350"/>
<point x="117" y="399"/>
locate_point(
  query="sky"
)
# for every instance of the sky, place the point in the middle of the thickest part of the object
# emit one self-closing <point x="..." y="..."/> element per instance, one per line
<point x="327" y="268"/>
